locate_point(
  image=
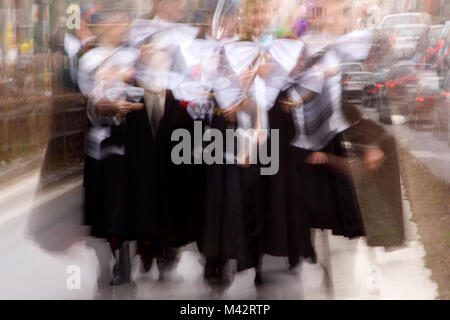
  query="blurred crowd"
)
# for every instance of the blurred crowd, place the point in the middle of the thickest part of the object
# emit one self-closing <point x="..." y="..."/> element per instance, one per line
<point x="279" y="80"/>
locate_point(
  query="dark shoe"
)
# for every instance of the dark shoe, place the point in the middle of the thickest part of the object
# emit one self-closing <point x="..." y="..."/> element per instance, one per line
<point x="212" y="272"/>
<point x="215" y="276"/>
<point x="258" y="279"/>
<point x="122" y="268"/>
<point x="294" y="262"/>
<point x="147" y="262"/>
<point x="168" y="260"/>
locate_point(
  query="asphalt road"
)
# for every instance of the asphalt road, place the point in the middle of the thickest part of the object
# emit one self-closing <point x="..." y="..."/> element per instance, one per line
<point x="42" y="240"/>
<point x="434" y="153"/>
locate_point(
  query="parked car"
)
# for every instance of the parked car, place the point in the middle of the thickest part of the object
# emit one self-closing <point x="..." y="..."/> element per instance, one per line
<point x="400" y="86"/>
<point x="426" y="94"/>
<point x="427" y="49"/>
<point x="351" y="67"/>
<point x="434" y="35"/>
<point x="441" y="119"/>
<point x="375" y="58"/>
<point x="390" y="22"/>
<point x="374" y="92"/>
<point x="353" y="84"/>
<point x="406" y="39"/>
<point x="443" y="55"/>
<point x="446" y="28"/>
<point x="393" y="20"/>
<point x="430" y="51"/>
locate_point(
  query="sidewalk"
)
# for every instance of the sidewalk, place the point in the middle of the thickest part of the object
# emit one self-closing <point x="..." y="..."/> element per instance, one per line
<point x="435" y="154"/>
<point x="39" y="245"/>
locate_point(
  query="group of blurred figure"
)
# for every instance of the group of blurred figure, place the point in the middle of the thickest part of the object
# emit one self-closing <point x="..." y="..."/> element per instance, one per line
<point x="147" y="78"/>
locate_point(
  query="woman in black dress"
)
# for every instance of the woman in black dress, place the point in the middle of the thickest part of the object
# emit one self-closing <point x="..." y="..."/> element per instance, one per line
<point x="234" y="201"/>
<point x="326" y="196"/>
<point x="159" y="41"/>
<point x="118" y="170"/>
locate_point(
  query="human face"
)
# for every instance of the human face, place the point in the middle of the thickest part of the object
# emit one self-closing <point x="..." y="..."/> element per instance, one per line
<point x="170" y="10"/>
<point x="259" y="14"/>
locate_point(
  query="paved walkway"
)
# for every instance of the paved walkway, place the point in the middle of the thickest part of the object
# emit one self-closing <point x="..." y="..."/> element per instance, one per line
<point x="41" y="237"/>
<point x="434" y="153"/>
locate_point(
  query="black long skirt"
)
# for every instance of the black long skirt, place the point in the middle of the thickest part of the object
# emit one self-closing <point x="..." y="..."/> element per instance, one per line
<point x="233" y="217"/>
<point x="180" y="188"/>
<point x="328" y="196"/>
<point x="286" y="224"/>
<point x="119" y="198"/>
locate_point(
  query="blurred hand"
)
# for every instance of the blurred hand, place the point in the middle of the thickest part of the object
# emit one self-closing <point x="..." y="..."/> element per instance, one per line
<point x="245" y="78"/>
<point x="288" y="105"/>
<point x="105" y="107"/>
<point x="266" y="69"/>
<point x="230" y="114"/>
<point x="125" y="107"/>
<point x="317" y="158"/>
<point x="129" y="75"/>
<point x="373" y="158"/>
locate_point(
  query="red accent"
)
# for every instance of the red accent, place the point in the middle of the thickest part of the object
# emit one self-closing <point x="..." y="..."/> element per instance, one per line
<point x="113" y="243"/>
<point x="446" y="94"/>
<point x="409" y="77"/>
<point x="394" y="38"/>
<point x="420" y="99"/>
<point x="441" y="58"/>
<point x="432" y="52"/>
<point x="378" y="85"/>
<point x="197" y="72"/>
<point x="183" y="104"/>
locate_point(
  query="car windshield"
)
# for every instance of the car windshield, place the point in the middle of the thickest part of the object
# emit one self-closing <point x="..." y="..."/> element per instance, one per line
<point x="394" y="21"/>
<point x="379" y="77"/>
<point x="359" y="77"/>
<point x="406" y="71"/>
<point x="410" y="31"/>
<point x="430" y="84"/>
<point x="351" y="67"/>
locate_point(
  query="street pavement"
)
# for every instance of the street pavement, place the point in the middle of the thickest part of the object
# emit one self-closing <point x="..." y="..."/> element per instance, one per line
<point x="434" y="153"/>
<point x="42" y="240"/>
